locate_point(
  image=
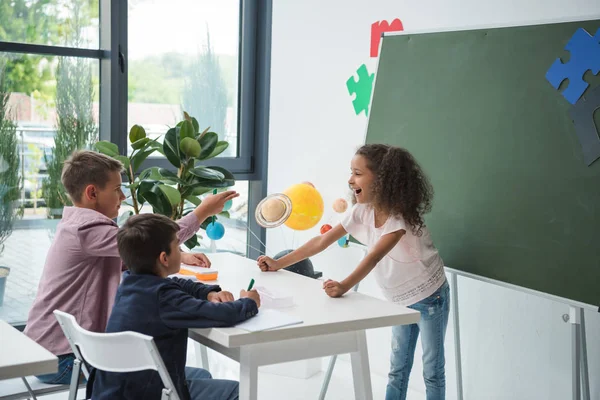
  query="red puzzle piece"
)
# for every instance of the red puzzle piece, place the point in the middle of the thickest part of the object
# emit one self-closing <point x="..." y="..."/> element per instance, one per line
<point x="379" y="27"/>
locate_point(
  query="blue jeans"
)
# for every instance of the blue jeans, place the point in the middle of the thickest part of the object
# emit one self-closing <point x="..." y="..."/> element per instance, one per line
<point x="203" y="387"/>
<point x="65" y="370"/>
<point x="432" y="326"/>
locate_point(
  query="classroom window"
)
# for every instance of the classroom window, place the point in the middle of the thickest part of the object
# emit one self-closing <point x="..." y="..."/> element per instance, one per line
<point x="190" y="64"/>
<point x="110" y="65"/>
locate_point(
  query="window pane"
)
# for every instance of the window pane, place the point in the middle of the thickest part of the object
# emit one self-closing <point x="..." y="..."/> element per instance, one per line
<point x="188" y="64"/>
<point x="71" y="23"/>
<point x="50" y="108"/>
<point x="236" y="227"/>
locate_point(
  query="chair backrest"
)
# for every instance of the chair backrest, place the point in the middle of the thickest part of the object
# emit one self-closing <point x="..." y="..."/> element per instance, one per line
<point x="115" y="352"/>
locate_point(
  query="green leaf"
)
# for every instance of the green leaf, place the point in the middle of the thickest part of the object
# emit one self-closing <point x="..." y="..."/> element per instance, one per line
<point x="207" y="173"/>
<point x="200" y="190"/>
<point x="186" y="116"/>
<point x="219" y="148"/>
<point x="172" y="194"/>
<point x="228" y="175"/>
<point x="140" y="143"/>
<point x="138" y="159"/>
<point x="136" y="133"/>
<point x="124" y="160"/>
<point x="205" y="183"/>
<point x="192" y="242"/>
<point x="150" y="191"/>
<point x="208" y="143"/>
<point x="187" y="130"/>
<point x="195" y="200"/>
<point x="196" y="125"/>
<point x="154" y="144"/>
<point x="171" y="147"/>
<point x="207" y="221"/>
<point x="225" y="214"/>
<point x="204" y="133"/>
<point x="107" y="148"/>
<point x="190" y="147"/>
<point x="169" y="175"/>
<point x="151" y="174"/>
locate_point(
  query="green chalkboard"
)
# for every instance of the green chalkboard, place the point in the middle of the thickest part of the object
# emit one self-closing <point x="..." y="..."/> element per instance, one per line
<point x="514" y="199"/>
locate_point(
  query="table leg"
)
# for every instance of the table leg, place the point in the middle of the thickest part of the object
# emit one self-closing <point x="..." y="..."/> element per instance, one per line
<point x="360" y="368"/>
<point x="248" y="375"/>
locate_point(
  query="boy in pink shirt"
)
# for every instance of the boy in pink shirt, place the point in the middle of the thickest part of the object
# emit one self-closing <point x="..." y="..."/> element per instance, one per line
<point x="83" y="268"/>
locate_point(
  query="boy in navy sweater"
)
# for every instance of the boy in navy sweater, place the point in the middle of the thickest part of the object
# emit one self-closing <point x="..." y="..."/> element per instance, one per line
<point x="150" y="303"/>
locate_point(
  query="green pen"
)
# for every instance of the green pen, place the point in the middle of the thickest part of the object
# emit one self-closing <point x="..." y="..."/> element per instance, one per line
<point x="250" y="285"/>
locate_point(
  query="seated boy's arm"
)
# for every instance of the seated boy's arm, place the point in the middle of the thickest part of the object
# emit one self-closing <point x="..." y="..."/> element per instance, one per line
<point x="196" y="289"/>
<point x="99" y="239"/>
<point x="188" y="226"/>
<point x="179" y="310"/>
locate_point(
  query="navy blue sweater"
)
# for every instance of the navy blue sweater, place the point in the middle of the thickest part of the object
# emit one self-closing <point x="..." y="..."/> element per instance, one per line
<point x="164" y="309"/>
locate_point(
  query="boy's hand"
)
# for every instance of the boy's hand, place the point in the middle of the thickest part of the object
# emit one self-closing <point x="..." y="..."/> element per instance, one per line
<point x="220" y="297"/>
<point x="334" y="288"/>
<point x="215" y="203"/>
<point x="267" y="264"/>
<point x="251" y="294"/>
<point x="197" y="259"/>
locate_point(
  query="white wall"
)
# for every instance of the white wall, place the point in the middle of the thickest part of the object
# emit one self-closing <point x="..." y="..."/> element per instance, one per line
<point x="515" y="346"/>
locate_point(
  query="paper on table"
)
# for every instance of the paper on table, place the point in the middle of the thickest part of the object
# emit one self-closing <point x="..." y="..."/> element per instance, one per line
<point x="268" y="319"/>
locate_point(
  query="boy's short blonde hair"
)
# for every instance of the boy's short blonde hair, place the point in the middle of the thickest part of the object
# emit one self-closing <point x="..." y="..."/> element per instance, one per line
<point x="84" y="168"/>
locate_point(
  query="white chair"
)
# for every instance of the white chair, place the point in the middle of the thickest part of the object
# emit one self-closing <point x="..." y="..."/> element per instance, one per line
<point x="113" y="352"/>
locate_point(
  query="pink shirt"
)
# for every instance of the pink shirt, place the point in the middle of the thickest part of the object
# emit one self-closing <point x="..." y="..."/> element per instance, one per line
<point x="81" y="275"/>
<point x="412" y="270"/>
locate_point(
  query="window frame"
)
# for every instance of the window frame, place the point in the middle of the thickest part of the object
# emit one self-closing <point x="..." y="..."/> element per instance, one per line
<point x="253" y="95"/>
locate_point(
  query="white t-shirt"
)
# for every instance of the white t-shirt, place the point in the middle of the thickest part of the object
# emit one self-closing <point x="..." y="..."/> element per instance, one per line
<point x="412" y="271"/>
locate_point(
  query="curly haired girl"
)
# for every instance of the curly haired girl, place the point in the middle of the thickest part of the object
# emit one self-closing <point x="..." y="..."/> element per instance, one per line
<point x="391" y="196"/>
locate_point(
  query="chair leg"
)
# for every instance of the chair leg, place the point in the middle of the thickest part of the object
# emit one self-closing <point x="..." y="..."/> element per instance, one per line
<point x="29" y="388"/>
<point x="201" y="355"/>
<point x="75" y="379"/>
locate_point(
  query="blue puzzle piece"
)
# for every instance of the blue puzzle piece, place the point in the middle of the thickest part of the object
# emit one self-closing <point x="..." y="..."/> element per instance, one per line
<point x="585" y="55"/>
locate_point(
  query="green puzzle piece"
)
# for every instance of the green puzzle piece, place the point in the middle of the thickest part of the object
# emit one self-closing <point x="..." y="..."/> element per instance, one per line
<point x="362" y="89"/>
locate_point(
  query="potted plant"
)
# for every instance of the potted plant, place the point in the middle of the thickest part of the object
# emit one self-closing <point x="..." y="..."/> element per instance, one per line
<point x="174" y="194"/>
<point x="10" y="182"/>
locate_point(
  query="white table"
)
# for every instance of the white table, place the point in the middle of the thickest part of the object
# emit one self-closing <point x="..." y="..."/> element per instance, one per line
<point x="20" y="356"/>
<point x="331" y="326"/>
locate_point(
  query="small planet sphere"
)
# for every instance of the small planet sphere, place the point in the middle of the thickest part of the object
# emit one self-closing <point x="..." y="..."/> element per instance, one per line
<point x="307" y="207"/>
<point x="325" y="228"/>
<point x="343" y="242"/>
<point x="215" y="230"/>
<point x="272" y="209"/>
<point x="340" y="206"/>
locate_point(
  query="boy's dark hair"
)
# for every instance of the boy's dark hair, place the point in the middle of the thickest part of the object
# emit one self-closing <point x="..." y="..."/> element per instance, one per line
<point x="84" y="168"/>
<point x="400" y="188"/>
<point x="143" y="238"/>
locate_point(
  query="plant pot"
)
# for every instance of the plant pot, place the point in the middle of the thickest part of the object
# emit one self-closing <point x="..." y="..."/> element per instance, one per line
<point x="4" y="272"/>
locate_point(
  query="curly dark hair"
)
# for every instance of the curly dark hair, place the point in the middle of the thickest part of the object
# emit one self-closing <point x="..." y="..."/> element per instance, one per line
<point x="401" y="188"/>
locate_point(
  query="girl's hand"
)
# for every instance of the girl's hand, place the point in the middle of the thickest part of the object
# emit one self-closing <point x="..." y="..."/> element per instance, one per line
<point x="267" y="264"/>
<point x="334" y="288"/>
